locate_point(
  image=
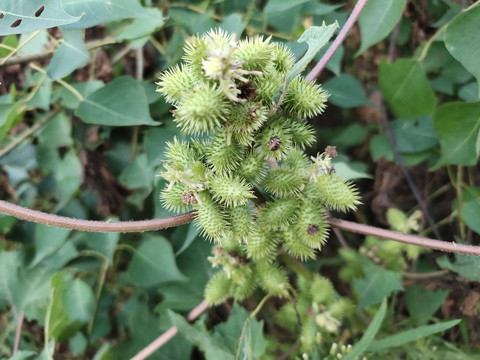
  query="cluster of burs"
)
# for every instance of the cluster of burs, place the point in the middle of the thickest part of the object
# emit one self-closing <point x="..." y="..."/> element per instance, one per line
<point x="244" y="171"/>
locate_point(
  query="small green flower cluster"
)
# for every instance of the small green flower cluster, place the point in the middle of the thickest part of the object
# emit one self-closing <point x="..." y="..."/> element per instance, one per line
<point x="254" y="190"/>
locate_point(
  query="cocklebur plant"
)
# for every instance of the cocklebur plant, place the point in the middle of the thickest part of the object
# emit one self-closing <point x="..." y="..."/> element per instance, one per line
<point x="245" y="173"/>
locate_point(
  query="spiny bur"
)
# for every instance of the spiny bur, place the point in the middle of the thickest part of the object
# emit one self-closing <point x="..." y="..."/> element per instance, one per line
<point x="244" y="170"/>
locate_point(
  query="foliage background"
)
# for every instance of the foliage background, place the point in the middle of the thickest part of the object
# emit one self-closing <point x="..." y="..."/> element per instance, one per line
<point x="83" y="132"/>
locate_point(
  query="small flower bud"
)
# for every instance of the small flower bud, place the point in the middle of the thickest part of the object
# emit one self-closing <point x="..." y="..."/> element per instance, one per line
<point x="331" y="151"/>
<point x="312" y="229"/>
<point x="188" y="197"/>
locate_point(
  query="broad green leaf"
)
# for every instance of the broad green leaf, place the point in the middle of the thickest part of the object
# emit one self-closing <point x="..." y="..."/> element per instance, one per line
<point x="57" y="132"/>
<point x="378" y="284"/>
<point x="154" y="263"/>
<point x="345" y="91"/>
<point x="69" y="100"/>
<point x="467" y="266"/>
<point x="406" y="88"/>
<point x="48" y="240"/>
<point x="22" y="355"/>
<point x="94" y="12"/>
<point x="469" y="92"/>
<point x="144" y="26"/>
<point x="70" y="55"/>
<point x="458" y="125"/>
<point x="414" y="136"/>
<point x="377" y="20"/>
<point x="31" y="15"/>
<point x="360" y="347"/>
<point x="58" y="317"/>
<point x="43" y="96"/>
<point x="25" y="289"/>
<point x="422" y="303"/>
<point x="68" y="175"/>
<point x="281" y="5"/>
<point x="138" y="174"/>
<point x="462" y="39"/>
<point x="411" y="335"/>
<point x="122" y="102"/>
<point x="38" y="44"/>
<point x="212" y="348"/>
<point x="250" y="345"/>
<point x="78" y="300"/>
<point x="143" y="327"/>
<point x="183" y="296"/>
<point x="184" y="235"/>
<point x="104" y="243"/>
<point x="154" y="142"/>
<point x="233" y="24"/>
<point x="471" y="214"/>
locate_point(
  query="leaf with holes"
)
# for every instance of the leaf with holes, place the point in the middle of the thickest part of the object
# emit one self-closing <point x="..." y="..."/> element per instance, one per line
<point x="94" y="12"/>
<point x="22" y="16"/>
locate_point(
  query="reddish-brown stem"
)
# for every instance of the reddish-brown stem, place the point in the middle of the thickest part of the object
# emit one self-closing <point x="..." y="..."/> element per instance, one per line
<point x="93" y="226"/>
<point x="170" y="333"/>
<point x="405" y="238"/>
<point x="18" y="332"/>
<point x="338" y="41"/>
<point x="157" y="224"/>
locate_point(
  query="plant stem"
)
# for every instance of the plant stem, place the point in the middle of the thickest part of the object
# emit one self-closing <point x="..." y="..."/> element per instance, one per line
<point x="458" y="188"/>
<point x="17" y="49"/>
<point x="93" y="226"/>
<point x="405" y="238"/>
<point x="169" y="334"/>
<point x="18" y="332"/>
<point x="338" y="41"/>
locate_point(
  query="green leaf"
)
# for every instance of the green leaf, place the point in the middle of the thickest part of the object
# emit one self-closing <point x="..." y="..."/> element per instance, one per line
<point x="94" y="12"/>
<point x="58" y="317"/>
<point x="10" y="114"/>
<point x="144" y="26"/>
<point x="183" y="296"/>
<point x="56" y="132"/>
<point x="25" y="289"/>
<point x="78" y="300"/>
<point x="154" y="143"/>
<point x="316" y="38"/>
<point x="378" y="284"/>
<point x="249" y="345"/>
<point x="68" y="175"/>
<point x="462" y="39"/>
<point x="471" y="211"/>
<point x="26" y="11"/>
<point x="403" y="83"/>
<point x="422" y="303"/>
<point x="104" y="243"/>
<point x="122" y="102"/>
<point x="70" y="55"/>
<point x="360" y="347"/>
<point x="70" y="101"/>
<point x="414" y="136"/>
<point x="458" y="125"/>
<point x="154" y="263"/>
<point x="233" y="24"/>
<point x="411" y="335"/>
<point x="212" y="348"/>
<point x="345" y="91"/>
<point x="377" y="20"/>
<point x="48" y="240"/>
<point x="469" y="92"/>
<point x="281" y="5"/>
<point x="467" y="266"/>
